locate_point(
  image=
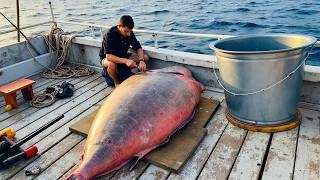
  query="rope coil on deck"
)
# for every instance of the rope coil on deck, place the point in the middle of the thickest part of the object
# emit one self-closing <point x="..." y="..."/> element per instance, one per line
<point x="49" y="96"/>
<point x="55" y="41"/>
<point x="44" y="99"/>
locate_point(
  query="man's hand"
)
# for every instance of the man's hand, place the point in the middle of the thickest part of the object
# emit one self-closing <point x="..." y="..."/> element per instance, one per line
<point x="142" y="66"/>
<point x="131" y="64"/>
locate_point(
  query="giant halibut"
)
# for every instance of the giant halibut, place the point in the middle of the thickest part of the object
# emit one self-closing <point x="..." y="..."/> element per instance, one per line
<point x="138" y="116"/>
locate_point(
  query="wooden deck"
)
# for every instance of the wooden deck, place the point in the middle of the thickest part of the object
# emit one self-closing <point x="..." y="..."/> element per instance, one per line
<point x="227" y="152"/>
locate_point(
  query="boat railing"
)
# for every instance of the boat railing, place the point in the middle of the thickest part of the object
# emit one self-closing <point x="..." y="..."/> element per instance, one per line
<point x="154" y="34"/>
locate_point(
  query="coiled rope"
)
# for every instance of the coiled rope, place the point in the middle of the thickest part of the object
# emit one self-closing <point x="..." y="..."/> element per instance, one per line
<point x="44" y="99"/>
<point x="56" y="36"/>
<point x="61" y="70"/>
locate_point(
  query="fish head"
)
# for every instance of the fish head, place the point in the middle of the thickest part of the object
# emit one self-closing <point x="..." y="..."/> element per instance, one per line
<point x="98" y="159"/>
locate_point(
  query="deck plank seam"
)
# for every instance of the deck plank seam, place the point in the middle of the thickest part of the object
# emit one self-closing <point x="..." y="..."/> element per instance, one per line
<point x="204" y="164"/>
<point x="57" y="128"/>
<point x="35" y="78"/>
<point x="57" y="141"/>
<point x="53" y="111"/>
<point x="100" y="101"/>
<point x="36" y="88"/>
<point x="34" y="159"/>
<point x="61" y="155"/>
<point x="239" y="150"/>
<point x="265" y="157"/>
<point x="25" y="109"/>
<point x="71" y="133"/>
<point x="19" y="96"/>
<point x="60" y="177"/>
<point x="71" y="99"/>
<point x="21" y="101"/>
<point x="43" y="171"/>
<point x="296" y="151"/>
<point x="143" y="170"/>
<point x="75" y="116"/>
<point x="49" y="147"/>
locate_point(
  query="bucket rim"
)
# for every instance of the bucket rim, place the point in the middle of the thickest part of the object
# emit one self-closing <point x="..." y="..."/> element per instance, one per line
<point x="312" y="41"/>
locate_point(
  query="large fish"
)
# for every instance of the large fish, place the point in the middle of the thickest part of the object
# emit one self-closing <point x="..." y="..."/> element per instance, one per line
<point x="138" y="116"/>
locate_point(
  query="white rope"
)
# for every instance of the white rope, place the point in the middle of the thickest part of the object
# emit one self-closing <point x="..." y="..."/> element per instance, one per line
<point x="266" y="88"/>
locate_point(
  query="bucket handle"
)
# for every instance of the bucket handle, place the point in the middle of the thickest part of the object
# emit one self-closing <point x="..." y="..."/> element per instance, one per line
<point x="263" y="89"/>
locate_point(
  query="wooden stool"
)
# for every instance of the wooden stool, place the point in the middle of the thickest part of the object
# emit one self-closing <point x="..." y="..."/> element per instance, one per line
<point x="9" y="91"/>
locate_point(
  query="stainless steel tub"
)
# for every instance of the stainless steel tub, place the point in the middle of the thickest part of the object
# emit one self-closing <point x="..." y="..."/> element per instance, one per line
<point x="262" y="75"/>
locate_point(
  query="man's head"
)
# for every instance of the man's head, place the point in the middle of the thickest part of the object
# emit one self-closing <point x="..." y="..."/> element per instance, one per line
<point x="125" y="25"/>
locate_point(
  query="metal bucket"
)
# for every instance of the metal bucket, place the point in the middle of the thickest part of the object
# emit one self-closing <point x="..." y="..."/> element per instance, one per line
<point x="262" y="76"/>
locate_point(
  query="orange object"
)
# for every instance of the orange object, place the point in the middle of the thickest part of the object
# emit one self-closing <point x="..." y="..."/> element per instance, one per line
<point x="9" y="91"/>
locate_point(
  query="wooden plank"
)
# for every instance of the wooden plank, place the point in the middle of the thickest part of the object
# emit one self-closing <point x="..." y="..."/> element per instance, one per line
<point x="194" y="166"/>
<point x="49" y="157"/>
<point x="310" y="106"/>
<point x="224" y="154"/>
<point x="213" y="95"/>
<point x="21" y="120"/>
<point x="24" y="106"/>
<point x="32" y="126"/>
<point x="154" y="172"/>
<point x="250" y="158"/>
<point x="82" y="127"/>
<point x="68" y="173"/>
<point x="280" y="160"/>
<point x="91" y="102"/>
<point x="174" y="154"/>
<point x="204" y="111"/>
<point x="52" y="135"/>
<point x="307" y="163"/>
<point x="124" y="172"/>
<point x="57" y="169"/>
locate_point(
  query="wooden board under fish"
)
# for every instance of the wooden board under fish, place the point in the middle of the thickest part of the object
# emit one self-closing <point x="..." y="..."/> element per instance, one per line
<point x="173" y="155"/>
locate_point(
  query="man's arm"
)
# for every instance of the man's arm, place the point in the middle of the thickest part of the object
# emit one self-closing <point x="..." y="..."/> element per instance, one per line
<point x="142" y="64"/>
<point x="140" y="54"/>
<point x="115" y="59"/>
<point x="128" y="62"/>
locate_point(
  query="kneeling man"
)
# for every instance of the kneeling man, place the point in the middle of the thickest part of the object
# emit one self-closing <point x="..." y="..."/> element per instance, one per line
<point x="114" y="57"/>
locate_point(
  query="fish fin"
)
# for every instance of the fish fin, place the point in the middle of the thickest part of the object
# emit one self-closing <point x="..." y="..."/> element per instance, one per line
<point x="133" y="162"/>
<point x="178" y="70"/>
<point x="187" y="121"/>
<point x="164" y="142"/>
